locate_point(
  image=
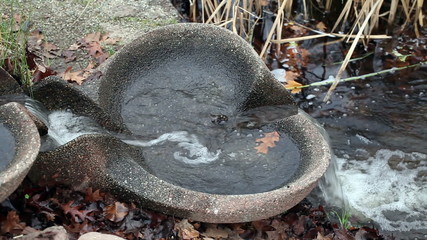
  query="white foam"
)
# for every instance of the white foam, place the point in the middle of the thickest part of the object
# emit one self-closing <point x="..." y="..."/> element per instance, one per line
<point x="194" y="152"/>
<point x="396" y="197"/>
<point x="66" y="126"/>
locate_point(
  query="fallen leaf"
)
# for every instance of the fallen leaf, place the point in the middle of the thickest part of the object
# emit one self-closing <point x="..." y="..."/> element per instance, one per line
<point x="321" y="26"/>
<point x="95" y="51"/>
<point x="74" y="211"/>
<point x="91" y="196"/>
<point x="264" y="2"/>
<point x="38" y="74"/>
<point x="266" y="142"/>
<point x="293" y="86"/>
<point x="106" y="39"/>
<point x="77" y="77"/>
<point x="69" y="56"/>
<point x="186" y="230"/>
<point x="116" y="212"/>
<point x="92" y="37"/>
<point x="12" y="223"/>
<point x="74" y="47"/>
<point x="321" y="237"/>
<point x="213" y="231"/>
<point x="35" y="40"/>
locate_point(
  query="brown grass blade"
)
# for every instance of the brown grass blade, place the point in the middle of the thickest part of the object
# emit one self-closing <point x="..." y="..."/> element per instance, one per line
<point x="351" y="50"/>
<point x="270" y="34"/>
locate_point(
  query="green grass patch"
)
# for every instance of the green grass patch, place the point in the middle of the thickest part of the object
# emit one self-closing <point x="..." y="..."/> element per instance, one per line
<point x="14" y="32"/>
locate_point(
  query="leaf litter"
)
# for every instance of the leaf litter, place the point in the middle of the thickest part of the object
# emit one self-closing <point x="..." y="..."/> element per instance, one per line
<point x="48" y="204"/>
<point x="91" y="47"/>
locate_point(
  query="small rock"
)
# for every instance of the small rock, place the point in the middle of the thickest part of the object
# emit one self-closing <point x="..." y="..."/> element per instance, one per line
<point x="53" y="233"/>
<point x="99" y="236"/>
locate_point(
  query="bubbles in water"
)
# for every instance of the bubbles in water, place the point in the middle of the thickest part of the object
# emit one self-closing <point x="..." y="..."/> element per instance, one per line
<point x="66" y="126"/>
<point x="194" y="152"/>
<point x="389" y="188"/>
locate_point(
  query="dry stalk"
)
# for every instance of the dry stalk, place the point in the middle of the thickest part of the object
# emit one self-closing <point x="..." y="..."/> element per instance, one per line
<point x="276" y="22"/>
<point x="351" y="50"/>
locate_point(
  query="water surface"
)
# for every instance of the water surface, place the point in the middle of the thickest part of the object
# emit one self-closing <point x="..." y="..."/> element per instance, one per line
<point x="7" y="146"/>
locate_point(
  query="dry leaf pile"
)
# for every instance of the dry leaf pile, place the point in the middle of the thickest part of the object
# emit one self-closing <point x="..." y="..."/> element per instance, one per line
<point x="92" y="46"/>
<point x="79" y="60"/>
<point x="32" y="208"/>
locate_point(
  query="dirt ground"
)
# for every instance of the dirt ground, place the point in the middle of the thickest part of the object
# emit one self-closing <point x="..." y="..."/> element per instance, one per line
<point x="63" y="22"/>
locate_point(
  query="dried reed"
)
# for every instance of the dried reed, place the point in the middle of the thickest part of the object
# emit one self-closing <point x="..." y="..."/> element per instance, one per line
<point x="363" y="17"/>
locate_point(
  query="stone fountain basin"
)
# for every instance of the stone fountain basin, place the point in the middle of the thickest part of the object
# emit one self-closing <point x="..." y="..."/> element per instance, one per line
<point x="24" y="141"/>
<point x="187" y="77"/>
<point x="105" y="162"/>
<point x="180" y="76"/>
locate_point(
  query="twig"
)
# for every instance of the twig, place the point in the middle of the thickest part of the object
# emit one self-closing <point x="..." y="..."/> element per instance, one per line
<point x="81" y="14"/>
<point x="350" y="51"/>
<point x="330" y="81"/>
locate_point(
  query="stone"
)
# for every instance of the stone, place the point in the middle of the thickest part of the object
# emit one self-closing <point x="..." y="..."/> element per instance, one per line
<point x="8" y="84"/>
<point x="27" y="143"/>
<point x="50" y="233"/>
<point x="98" y="236"/>
<point x="191" y="54"/>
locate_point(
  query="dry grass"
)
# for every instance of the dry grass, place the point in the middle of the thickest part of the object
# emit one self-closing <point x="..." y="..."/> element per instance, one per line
<point x="13" y="36"/>
<point x="358" y="20"/>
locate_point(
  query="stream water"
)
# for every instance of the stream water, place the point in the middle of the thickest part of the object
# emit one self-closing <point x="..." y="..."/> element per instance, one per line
<point x="378" y="131"/>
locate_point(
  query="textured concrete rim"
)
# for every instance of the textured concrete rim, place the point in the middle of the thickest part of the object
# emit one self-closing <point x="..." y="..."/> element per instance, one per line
<point x="159" y="195"/>
<point x="165" y="197"/>
<point x="112" y="165"/>
<point x="27" y="146"/>
<point x="117" y="73"/>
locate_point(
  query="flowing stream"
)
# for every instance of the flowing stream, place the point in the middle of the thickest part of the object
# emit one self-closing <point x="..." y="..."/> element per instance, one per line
<point x="378" y="131"/>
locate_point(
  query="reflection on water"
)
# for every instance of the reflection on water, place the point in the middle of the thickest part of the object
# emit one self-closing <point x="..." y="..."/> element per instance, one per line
<point x="227" y="163"/>
<point x="234" y="168"/>
<point x="7" y="146"/>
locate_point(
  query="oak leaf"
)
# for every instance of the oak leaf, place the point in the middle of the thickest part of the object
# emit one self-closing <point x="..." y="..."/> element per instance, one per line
<point x="107" y="40"/>
<point x="264" y="2"/>
<point x="92" y="37"/>
<point x="69" y="56"/>
<point x="116" y="212"/>
<point x="77" y="77"/>
<point x="321" y="26"/>
<point x="75" y="211"/>
<point x="266" y="142"/>
<point x="186" y="230"/>
<point x="293" y="86"/>
<point x="93" y="196"/>
<point x="12" y="223"/>
<point x="215" y="232"/>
